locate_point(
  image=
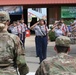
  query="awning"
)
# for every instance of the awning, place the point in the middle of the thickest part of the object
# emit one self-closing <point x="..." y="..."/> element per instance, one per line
<point x="33" y="2"/>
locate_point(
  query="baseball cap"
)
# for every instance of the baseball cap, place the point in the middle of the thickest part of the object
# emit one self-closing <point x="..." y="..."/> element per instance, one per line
<point x="63" y="41"/>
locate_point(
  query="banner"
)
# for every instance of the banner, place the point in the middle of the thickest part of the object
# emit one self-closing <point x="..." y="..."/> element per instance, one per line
<point x="68" y="12"/>
<point x="12" y="10"/>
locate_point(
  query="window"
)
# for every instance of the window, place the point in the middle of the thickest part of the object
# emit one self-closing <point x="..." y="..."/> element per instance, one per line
<point x="37" y="9"/>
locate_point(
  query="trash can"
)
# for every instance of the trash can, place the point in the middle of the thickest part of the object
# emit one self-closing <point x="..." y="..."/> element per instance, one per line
<point x="28" y="33"/>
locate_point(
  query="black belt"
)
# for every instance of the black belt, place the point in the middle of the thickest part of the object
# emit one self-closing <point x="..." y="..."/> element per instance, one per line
<point x="41" y="36"/>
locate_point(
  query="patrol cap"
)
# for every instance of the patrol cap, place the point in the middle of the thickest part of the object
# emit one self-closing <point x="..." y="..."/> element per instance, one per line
<point x="4" y="16"/>
<point x="63" y="41"/>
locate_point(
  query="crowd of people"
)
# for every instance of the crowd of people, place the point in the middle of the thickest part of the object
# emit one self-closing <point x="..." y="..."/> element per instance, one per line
<point x="18" y="28"/>
<point x="60" y="28"/>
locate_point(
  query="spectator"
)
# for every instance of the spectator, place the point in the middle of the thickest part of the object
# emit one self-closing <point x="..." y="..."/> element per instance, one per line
<point x="12" y="56"/>
<point x="62" y="63"/>
<point x="73" y="29"/>
<point x="57" y="30"/>
<point x="18" y="27"/>
<point x="10" y="27"/>
<point x="64" y="28"/>
<point x="23" y="29"/>
<point x="14" y="29"/>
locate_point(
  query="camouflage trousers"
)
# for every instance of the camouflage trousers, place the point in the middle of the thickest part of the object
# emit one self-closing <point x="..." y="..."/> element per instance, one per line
<point x="8" y="71"/>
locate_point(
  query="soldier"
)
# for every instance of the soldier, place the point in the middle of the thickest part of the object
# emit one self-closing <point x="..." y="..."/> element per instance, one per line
<point x="62" y="63"/>
<point x="12" y="56"/>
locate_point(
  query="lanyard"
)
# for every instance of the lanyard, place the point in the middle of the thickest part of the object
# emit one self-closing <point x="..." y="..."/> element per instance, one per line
<point x="42" y="31"/>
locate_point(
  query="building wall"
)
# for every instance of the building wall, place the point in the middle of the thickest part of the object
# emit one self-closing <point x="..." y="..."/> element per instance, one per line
<point x="54" y="13"/>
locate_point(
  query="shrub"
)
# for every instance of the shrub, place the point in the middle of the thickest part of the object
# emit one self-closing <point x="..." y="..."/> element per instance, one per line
<point x="52" y="36"/>
<point x="68" y="22"/>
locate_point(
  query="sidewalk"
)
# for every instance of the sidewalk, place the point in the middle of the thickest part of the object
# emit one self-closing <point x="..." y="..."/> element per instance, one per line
<point x="32" y="60"/>
<point x="30" y="47"/>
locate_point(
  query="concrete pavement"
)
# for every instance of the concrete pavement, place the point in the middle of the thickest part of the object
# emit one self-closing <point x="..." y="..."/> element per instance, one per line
<point x="31" y="58"/>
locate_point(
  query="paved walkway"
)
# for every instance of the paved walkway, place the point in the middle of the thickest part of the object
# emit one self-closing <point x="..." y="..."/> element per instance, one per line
<point x="32" y="60"/>
<point x="30" y="47"/>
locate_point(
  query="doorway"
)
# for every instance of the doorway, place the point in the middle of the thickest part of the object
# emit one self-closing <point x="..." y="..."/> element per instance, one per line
<point x="15" y="18"/>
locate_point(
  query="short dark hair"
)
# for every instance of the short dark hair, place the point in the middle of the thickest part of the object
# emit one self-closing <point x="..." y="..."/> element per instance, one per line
<point x="62" y="49"/>
<point x="59" y="24"/>
<point x="42" y="20"/>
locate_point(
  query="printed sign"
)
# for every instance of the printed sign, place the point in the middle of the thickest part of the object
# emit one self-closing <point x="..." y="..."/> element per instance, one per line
<point x="12" y="10"/>
<point x="68" y="12"/>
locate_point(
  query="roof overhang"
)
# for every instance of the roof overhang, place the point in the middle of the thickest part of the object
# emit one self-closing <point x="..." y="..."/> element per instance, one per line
<point x="34" y="2"/>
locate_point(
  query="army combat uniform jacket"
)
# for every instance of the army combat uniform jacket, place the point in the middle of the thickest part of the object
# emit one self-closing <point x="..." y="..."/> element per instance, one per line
<point x="12" y="55"/>
<point x="62" y="64"/>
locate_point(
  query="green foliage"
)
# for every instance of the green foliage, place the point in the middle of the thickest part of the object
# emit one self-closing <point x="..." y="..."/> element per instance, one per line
<point x="68" y="22"/>
<point x="52" y="36"/>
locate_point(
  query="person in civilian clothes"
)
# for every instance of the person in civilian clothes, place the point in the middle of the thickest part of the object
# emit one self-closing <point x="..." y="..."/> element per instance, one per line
<point x="73" y="29"/>
<point x="14" y="29"/>
<point x="64" y="27"/>
<point x="20" y="31"/>
<point x="41" y="39"/>
<point x="23" y="29"/>
<point x="57" y="30"/>
<point x="10" y="27"/>
<point x="18" y="28"/>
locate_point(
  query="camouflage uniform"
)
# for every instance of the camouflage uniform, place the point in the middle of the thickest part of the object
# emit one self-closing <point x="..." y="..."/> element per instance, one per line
<point x="61" y="64"/>
<point x="12" y="55"/>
